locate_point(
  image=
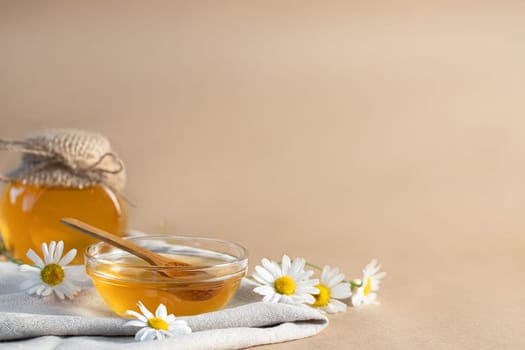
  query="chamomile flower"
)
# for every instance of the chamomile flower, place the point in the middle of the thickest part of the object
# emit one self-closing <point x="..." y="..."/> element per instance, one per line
<point x="51" y="274"/>
<point x="158" y="326"/>
<point x="364" y="293"/>
<point x="331" y="288"/>
<point x="288" y="283"/>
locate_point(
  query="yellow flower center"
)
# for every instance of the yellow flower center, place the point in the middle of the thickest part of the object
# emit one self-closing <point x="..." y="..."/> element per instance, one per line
<point x="52" y="274"/>
<point x="284" y="285"/>
<point x="368" y="286"/>
<point x="323" y="298"/>
<point x="158" y="323"/>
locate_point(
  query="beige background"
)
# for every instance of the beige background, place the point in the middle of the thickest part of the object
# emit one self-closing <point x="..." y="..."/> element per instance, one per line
<point x="337" y="131"/>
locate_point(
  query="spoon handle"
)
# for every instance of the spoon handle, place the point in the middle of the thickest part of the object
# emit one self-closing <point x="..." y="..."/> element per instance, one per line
<point x="185" y="293"/>
<point x="124" y="244"/>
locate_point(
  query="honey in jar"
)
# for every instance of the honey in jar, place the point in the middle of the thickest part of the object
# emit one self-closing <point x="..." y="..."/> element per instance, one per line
<point x="30" y="215"/>
<point x="64" y="173"/>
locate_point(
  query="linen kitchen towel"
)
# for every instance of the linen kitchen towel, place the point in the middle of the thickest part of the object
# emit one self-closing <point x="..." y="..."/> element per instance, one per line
<point x="85" y="322"/>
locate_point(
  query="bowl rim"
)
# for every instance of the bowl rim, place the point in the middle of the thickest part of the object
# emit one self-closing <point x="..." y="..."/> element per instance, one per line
<point x="241" y="260"/>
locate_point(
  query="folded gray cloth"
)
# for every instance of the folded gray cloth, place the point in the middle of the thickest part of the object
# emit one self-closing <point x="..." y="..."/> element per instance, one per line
<point x="31" y="322"/>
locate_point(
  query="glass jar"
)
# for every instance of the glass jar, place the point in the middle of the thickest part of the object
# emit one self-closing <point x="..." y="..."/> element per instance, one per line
<point x="30" y="215"/>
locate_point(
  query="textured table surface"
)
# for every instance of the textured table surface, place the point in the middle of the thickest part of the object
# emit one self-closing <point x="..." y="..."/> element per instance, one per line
<point x="337" y="131"/>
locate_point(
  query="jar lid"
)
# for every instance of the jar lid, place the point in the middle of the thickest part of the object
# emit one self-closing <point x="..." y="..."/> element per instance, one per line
<point x="67" y="158"/>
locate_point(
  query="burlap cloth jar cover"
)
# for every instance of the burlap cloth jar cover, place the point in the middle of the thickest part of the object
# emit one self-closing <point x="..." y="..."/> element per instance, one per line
<point x="66" y="158"/>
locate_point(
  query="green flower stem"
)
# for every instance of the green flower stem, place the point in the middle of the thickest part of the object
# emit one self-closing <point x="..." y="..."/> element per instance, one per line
<point x="352" y="283"/>
<point x="11" y="259"/>
<point x="313" y="266"/>
<point x="8" y="256"/>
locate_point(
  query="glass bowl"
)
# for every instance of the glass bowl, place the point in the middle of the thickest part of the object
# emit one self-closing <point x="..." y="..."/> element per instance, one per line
<point x="212" y="277"/>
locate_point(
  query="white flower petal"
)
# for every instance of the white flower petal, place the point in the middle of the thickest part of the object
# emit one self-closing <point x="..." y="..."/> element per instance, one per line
<point x="371" y="268"/>
<point x="325" y="274"/>
<point x="268" y="298"/>
<point x="379" y="276"/>
<point x="68" y="257"/>
<point x="370" y="299"/>
<point x="335" y="278"/>
<point x="307" y="290"/>
<point x="308" y="283"/>
<point x="52" y="247"/>
<point x="68" y="288"/>
<point x="259" y="279"/>
<point x="297" y="268"/>
<point x="29" y="268"/>
<point x="40" y="289"/>
<point x="305" y="275"/>
<point x="180" y="328"/>
<point x="264" y="275"/>
<point x="356" y="300"/>
<point x="285" y="264"/>
<point x="159" y="334"/>
<point x="149" y="335"/>
<point x="58" y="251"/>
<point x="264" y="290"/>
<point x="178" y="323"/>
<point x="161" y="311"/>
<point x="45" y="251"/>
<point x="137" y="315"/>
<point x="144" y="334"/>
<point x="59" y="293"/>
<point x="30" y="283"/>
<point x="35" y="258"/>
<point x="335" y="306"/>
<point x="301" y="298"/>
<point x="341" y="291"/>
<point x="76" y="273"/>
<point x="272" y="267"/>
<point x="36" y="287"/>
<point x="135" y="323"/>
<point x="281" y="298"/>
<point x="328" y="274"/>
<point x="145" y="310"/>
<point x="293" y="299"/>
<point x="272" y="298"/>
<point x="168" y="333"/>
<point x="374" y="285"/>
<point x="47" y="290"/>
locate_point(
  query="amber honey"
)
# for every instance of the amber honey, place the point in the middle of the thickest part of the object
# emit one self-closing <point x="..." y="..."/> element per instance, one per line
<point x="30" y="215"/>
<point x="122" y="287"/>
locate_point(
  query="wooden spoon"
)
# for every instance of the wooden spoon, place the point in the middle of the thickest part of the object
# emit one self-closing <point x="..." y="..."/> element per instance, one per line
<point x="151" y="258"/>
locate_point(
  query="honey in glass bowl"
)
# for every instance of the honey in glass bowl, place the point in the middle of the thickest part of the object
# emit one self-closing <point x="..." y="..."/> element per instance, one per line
<point x="30" y="215"/>
<point x="215" y="270"/>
